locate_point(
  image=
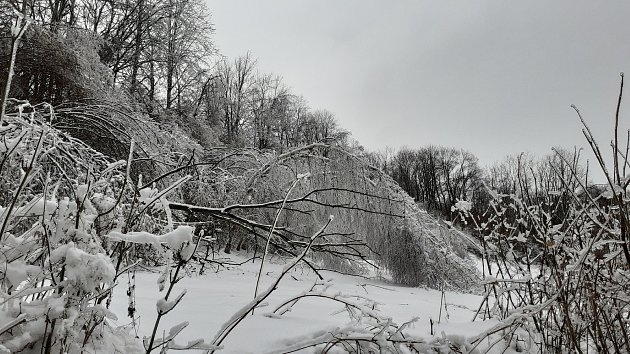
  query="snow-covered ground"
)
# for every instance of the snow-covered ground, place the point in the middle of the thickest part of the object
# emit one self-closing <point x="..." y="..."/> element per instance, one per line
<point x="212" y="298"/>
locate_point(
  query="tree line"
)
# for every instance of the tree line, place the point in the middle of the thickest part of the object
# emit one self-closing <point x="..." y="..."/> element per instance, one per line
<point x="157" y="57"/>
<point x="438" y="177"/>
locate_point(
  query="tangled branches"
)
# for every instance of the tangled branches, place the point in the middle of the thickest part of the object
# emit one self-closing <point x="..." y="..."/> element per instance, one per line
<point x="557" y="270"/>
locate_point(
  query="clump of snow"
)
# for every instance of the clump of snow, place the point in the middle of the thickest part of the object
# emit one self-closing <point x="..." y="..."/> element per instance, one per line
<point x="147" y="194"/>
<point x="116" y="340"/>
<point x="188" y="251"/>
<point x="462" y="205"/>
<point x="165" y="306"/>
<point x="35" y="207"/>
<point x="103" y="202"/>
<point x="18" y="271"/>
<point x="84" y="270"/>
<point x="174" y="239"/>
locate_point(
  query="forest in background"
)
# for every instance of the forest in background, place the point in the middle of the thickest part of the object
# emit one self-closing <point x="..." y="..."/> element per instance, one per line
<point x="127" y="139"/>
<point x="155" y="61"/>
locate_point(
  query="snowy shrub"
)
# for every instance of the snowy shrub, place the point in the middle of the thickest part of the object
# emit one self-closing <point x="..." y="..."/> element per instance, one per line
<point x="57" y="272"/>
<point x="557" y="267"/>
<point x="405" y="257"/>
<point x="71" y="223"/>
<point x="553" y="283"/>
<point x="161" y="151"/>
<point x="59" y="65"/>
<point x="421" y="251"/>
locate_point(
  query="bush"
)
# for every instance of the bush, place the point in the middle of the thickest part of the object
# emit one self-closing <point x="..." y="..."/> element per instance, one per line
<point x="58" y="199"/>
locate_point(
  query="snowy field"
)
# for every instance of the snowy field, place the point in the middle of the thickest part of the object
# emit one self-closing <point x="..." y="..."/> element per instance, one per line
<point x="212" y="298"/>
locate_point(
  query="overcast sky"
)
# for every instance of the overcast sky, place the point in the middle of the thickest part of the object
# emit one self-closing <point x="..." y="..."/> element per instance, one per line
<point x="493" y="77"/>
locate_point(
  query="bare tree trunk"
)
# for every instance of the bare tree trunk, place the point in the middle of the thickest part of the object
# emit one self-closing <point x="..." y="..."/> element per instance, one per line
<point x="152" y="81"/>
<point x="21" y="24"/>
<point x="136" y="55"/>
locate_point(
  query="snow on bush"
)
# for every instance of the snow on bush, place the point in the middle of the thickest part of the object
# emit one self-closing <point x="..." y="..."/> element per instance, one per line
<point x="422" y="251"/>
<point x="174" y="239"/>
<point x="57" y="272"/>
<point x="556" y="287"/>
